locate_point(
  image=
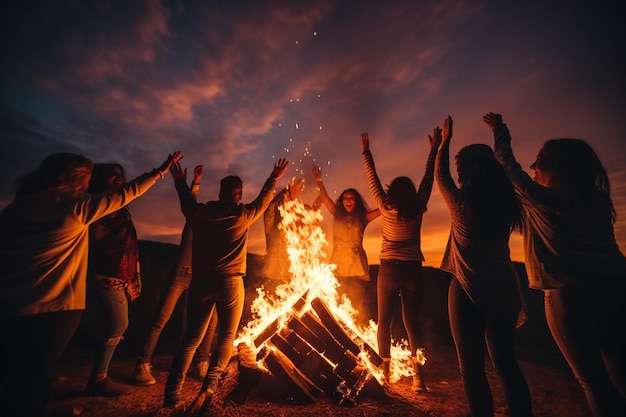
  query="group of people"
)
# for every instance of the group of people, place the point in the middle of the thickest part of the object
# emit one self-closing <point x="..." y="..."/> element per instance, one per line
<point x="60" y="220"/>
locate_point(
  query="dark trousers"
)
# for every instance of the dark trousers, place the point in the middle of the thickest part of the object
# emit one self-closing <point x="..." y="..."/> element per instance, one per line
<point x="587" y="324"/>
<point x="399" y="281"/>
<point x="471" y="331"/>
<point x="30" y="348"/>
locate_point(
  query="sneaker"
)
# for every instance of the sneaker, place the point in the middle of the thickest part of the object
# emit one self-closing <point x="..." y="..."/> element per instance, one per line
<point x="198" y="370"/>
<point x="105" y="388"/>
<point x="142" y="375"/>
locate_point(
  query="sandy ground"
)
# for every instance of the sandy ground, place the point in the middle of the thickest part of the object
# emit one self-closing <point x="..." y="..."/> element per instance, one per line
<point x="554" y="392"/>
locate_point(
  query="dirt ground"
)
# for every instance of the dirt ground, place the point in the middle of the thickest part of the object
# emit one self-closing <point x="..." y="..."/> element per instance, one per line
<point x="554" y="392"/>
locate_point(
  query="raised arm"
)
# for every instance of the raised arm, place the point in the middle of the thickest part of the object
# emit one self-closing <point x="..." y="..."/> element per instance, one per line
<point x="323" y="194"/>
<point x="375" y="186"/>
<point x="185" y="195"/>
<point x="426" y="186"/>
<point x="504" y="154"/>
<point x="442" y="163"/>
<point x="197" y="176"/>
<point x="258" y="206"/>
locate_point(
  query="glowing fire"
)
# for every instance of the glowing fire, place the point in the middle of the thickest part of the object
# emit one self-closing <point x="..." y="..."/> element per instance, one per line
<point x="312" y="278"/>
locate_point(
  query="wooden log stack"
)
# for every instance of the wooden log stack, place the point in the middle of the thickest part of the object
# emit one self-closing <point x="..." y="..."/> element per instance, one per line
<point x="314" y="354"/>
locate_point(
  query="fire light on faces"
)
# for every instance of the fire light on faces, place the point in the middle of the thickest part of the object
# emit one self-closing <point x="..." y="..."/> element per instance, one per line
<point x="312" y="278"/>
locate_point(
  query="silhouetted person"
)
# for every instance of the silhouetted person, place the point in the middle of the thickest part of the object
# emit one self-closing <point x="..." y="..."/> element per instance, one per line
<point x="220" y="234"/>
<point x="112" y="279"/>
<point x="43" y="253"/>
<point x="276" y="261"/>
<point x="350" y="217"/>
<point x="571" y="254"/>
<point x="485" y="302"/>
<point x="177" y="285"/>
<point x="400" y="272"/>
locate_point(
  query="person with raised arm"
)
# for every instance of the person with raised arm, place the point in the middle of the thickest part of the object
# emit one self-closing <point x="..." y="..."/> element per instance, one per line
<point x="573" y="257"/>
<point x="176" y="287"/>
<point x="43" y="253"/>
<point x="350" y="217"/>
<point x="485" y="303"/>
<point x="219" y="250"/>
<point x="402" y="208"/>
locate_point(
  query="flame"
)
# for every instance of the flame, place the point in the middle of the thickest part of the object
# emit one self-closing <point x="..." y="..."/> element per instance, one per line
<point x="313" y="278"/>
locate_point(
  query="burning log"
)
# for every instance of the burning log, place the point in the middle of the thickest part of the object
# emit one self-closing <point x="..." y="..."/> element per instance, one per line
<point x="316" y="355"/>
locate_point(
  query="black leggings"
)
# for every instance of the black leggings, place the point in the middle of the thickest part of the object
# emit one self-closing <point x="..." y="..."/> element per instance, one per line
<point x="403" y="278"/>
<point x="471" y="330"/>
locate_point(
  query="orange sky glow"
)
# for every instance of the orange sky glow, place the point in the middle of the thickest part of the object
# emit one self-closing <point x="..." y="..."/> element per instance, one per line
<point x="236" y="85"/>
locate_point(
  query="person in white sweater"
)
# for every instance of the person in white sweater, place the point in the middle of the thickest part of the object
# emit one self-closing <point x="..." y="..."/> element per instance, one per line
<point x="44" y="240"/>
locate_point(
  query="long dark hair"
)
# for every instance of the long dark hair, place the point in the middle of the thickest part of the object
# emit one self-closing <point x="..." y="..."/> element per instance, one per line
<point x="486" y="189"/>
<point x="59" y="172"/>
<point x="402" y="195"/>
<point x="99" y="176"/>
<point x="360" y="208"/>
<point x="576" y="173"/>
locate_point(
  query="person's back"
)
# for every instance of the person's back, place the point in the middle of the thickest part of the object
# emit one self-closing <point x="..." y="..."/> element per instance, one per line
<point x="220" y="230"/>
<point x="572" y="256"/>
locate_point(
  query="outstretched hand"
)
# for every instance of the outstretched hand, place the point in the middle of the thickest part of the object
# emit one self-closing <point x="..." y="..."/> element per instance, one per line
<point x="447" y="131"/>
<point x="178" y="173"/>
<point x="493" y="120"/>
<point x="279" y="168"/>
<point x="365" y="141"/>
<point x="435" y="139"/>
<point x="172" y="158"/>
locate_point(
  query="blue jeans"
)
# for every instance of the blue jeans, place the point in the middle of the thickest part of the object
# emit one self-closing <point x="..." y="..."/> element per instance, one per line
<point x="587" y="325"/>
<point x="226" y="295"/>
<point x="471" y="330"/>
<point x="403" y="278"/>
<point x="112" y="307"/>
<point x="30" y="348"/>
<point x="178" y="285"/>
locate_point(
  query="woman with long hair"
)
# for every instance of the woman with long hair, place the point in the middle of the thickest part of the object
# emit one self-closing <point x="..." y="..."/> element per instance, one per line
<point x="112" y="278"/>
<point x="573" y="257"/>
<point x="43" y="253"/>
<point x="485" y="303"/>
<point x="350" y="217"/>
<point x="401" y="207"/>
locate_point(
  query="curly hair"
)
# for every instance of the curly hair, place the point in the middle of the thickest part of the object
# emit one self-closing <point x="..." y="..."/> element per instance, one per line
<point x="360" y="208"/>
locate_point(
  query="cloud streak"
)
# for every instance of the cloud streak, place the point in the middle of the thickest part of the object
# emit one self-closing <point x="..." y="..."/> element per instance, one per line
<point x="237" y="84"/>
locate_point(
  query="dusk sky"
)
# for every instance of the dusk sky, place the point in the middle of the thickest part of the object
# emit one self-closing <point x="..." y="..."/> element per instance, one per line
<point x="235" y="85"/>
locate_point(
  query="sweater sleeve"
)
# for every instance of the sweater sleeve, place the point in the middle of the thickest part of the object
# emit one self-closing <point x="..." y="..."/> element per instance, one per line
<point x="426" y="186"/>
<point x="257" y="207"/>
<point x="187" y="198"/>
<point x="447" y="188"/>
<point x="376" y="188"/>
<point x="95" y="207"/>
<point x="503" y="152"/>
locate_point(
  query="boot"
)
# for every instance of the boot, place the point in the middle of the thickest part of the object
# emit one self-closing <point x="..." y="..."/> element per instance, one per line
<point x="419" y="385"/>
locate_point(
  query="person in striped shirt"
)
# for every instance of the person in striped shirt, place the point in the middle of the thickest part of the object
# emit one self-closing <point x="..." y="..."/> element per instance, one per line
<point x="401" y="207"/>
